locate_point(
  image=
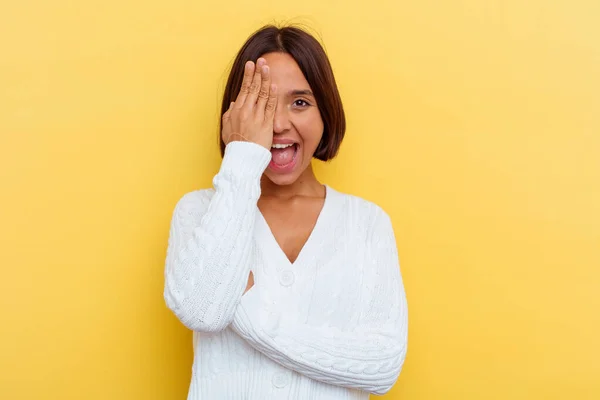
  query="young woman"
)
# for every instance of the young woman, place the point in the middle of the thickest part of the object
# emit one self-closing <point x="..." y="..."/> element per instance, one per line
<point x="293" y="289"/>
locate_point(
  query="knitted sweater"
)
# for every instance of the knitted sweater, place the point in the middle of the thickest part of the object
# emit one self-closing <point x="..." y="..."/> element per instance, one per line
<point x="330" y="325"/>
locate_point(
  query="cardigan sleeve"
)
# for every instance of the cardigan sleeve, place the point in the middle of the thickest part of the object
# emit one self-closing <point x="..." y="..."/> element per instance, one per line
<point x="369" y="357"/>
<point x="210" y="242"/>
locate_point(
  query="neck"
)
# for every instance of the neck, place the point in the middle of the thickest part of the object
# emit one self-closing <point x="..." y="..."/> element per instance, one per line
<point x="306" y="185"/>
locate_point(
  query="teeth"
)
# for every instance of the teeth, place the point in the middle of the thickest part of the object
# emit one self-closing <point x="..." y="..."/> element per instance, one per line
<point x="281" y="146"/>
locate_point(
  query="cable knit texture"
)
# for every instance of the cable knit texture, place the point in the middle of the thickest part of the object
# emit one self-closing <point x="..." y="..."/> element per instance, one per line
<point x="330" y="325"/>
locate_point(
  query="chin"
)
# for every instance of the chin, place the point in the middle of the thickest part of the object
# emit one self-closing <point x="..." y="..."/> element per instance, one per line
<point x="282" y="179"/>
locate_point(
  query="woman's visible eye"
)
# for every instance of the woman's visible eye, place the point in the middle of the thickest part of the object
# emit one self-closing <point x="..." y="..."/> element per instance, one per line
<point x="301" y="103"/>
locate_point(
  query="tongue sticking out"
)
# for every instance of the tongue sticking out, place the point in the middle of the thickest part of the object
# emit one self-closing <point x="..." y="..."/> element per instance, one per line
<point x="283" y="156"/>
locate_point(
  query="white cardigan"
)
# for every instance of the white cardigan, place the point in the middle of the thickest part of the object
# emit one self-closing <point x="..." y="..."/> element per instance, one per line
<point x="331" y="325"/>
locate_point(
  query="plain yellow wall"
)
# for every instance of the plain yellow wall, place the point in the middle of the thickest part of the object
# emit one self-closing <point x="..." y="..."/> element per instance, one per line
<point x="475" y="124"/>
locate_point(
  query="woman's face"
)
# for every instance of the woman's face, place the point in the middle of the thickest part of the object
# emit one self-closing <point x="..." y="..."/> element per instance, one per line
<point x="297" y="121"/>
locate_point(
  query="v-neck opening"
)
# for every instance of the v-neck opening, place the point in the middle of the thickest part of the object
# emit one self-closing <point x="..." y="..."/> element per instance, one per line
<point x="269" y="237"/>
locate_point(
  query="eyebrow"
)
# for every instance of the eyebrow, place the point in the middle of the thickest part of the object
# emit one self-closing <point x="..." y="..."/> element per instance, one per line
<point x="301" y="92"/>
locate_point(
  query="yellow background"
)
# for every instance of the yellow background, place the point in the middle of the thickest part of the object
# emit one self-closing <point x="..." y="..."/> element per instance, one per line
<point x="475" y="124"/>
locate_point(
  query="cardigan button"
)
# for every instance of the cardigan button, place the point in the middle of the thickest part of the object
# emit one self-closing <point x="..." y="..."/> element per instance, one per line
<point x="286" y="278"/>
<point x="281" y="380"/>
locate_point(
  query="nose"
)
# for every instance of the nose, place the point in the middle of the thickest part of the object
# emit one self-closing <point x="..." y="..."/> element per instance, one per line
<point x="281" y="120"/>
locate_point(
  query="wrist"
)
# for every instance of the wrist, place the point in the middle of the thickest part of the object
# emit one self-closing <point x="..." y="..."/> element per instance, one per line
<point x="245" y="158"/>
<point x="237" y="137"/>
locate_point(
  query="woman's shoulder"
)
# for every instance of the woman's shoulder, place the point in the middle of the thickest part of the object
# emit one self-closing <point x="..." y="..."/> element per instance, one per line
<point x="195" y="200"/>
<point x="364" y="220"/>
<point x="357" y="207"/>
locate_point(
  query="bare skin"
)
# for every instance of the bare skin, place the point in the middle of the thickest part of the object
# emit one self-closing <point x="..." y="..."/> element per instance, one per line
<point x="275" y="103"/>
<point x="292" y="218"/>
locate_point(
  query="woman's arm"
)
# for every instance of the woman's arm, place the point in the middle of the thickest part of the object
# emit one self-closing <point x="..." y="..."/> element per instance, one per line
<point x="207" y="264"/>
<point x="369" y="357"/>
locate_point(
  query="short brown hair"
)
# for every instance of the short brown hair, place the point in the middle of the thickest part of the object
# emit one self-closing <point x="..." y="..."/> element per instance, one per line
<point x="314" y="64"/>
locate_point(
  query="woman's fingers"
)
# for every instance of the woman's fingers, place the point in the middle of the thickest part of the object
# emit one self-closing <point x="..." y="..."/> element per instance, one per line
<point x="265" y="88"/>
<point x="250" y="117"/>
<point x="246" y="83"/>
<point x="255" y="86"/>
<point x="271" y="103"/>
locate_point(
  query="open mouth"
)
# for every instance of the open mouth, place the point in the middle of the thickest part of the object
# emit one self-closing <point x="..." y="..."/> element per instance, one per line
<point x="283" y="156"/>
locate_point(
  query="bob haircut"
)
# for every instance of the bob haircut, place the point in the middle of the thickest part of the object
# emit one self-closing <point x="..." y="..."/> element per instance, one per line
<point x="314" y="64"/>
